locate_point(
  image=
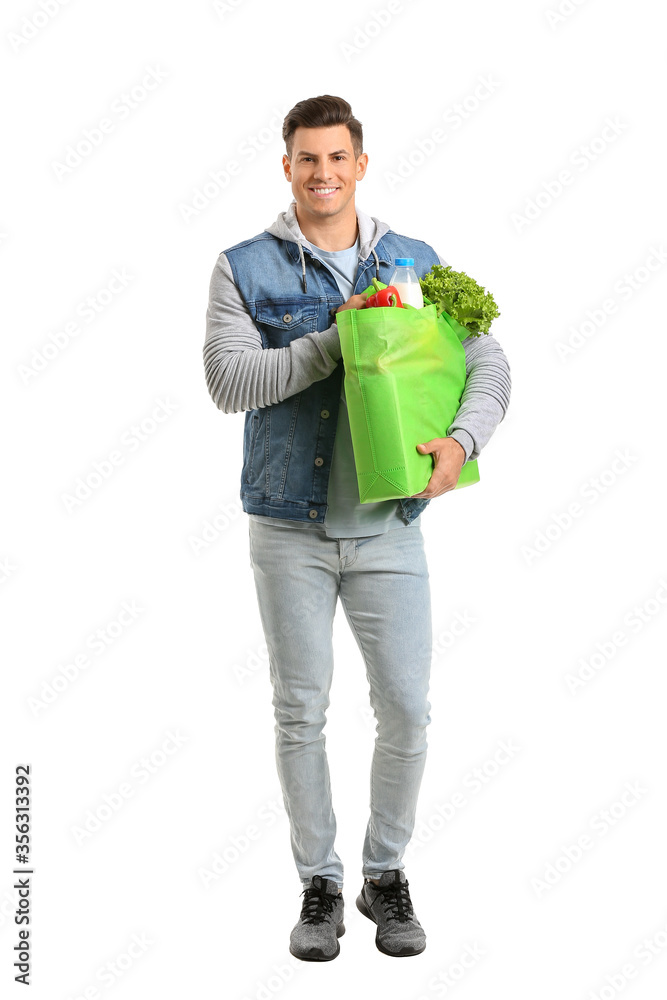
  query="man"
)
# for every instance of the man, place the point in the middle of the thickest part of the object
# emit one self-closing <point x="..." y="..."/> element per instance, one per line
<point x="272" y="350"/>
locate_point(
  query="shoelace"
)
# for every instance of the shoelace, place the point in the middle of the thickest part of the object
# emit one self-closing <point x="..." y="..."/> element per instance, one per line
<point x="317" y="905"/>
<point x="395" y="898"/>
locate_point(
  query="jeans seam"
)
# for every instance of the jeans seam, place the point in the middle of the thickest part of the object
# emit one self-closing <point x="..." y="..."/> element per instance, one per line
<point x="370" y="683"/>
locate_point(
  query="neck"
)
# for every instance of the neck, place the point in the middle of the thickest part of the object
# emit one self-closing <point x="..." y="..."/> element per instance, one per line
<point x="334" y="233"/>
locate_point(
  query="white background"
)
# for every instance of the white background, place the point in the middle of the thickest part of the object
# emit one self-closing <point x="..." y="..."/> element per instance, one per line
<point x="544" y="587"/>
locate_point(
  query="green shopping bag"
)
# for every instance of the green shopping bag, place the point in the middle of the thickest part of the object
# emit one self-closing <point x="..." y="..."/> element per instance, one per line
<point x="405" y="372"/>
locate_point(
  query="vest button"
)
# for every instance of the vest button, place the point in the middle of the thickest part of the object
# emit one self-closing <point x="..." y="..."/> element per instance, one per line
<point x="324" y="414"/>
<point x="319" y="461"/>
<point x="312" y="513"/>
<point x="287" y="318"/>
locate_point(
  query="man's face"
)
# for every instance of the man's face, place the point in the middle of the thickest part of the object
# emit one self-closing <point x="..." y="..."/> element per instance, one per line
<point x="323" y="171"/>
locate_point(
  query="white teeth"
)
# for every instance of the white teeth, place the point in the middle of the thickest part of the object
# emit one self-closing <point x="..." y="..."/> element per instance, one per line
<point x="324" y="190"/>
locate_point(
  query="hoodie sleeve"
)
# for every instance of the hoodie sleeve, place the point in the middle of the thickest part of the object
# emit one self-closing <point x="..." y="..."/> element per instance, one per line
<point x="243" y="375"/>
<point x="486" y="395"/>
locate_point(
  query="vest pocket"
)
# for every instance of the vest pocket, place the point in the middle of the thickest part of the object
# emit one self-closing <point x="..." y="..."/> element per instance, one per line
<point x="283" y="320"/>
<point x="254" y="427"/>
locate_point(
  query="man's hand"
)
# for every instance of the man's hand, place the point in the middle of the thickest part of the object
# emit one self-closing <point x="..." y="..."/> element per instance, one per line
<point x="356" y="302"/>
<point x="449" y="459"/>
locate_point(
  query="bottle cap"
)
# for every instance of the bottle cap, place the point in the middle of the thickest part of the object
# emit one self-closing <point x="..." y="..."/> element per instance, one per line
<point x="404" y="262"/>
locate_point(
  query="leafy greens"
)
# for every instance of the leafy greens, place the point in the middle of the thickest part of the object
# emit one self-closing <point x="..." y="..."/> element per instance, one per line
<point x="461" y="297"/>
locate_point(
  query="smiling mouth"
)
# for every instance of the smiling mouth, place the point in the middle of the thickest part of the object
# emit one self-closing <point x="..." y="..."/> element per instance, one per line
<point x="323" y="192"/>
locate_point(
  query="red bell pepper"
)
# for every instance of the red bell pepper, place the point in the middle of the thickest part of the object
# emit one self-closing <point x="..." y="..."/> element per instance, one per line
<point x="383" y="297"/>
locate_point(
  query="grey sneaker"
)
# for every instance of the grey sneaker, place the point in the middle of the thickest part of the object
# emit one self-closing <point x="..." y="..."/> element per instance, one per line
<point x="314" y="937"/>
<point x="389" y="905"/>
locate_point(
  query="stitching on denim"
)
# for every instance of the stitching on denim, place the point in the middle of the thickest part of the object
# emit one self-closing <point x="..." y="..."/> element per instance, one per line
<point x="371" y="685"/>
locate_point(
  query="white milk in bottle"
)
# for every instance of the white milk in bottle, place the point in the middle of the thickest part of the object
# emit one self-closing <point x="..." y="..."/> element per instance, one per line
<point x="405" y="281"/>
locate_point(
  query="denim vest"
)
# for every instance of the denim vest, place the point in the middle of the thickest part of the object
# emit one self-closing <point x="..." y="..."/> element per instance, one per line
<point x="288" y="447"/>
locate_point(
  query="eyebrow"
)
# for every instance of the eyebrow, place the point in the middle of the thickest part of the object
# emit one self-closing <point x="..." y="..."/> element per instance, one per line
<point x="304" y="152"/>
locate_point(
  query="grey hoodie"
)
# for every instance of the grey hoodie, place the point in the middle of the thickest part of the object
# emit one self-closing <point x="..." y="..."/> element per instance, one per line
<point x="241" y="375"/>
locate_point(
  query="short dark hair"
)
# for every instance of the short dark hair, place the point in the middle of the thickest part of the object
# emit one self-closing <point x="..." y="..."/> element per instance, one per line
<point x="323" y="112"/>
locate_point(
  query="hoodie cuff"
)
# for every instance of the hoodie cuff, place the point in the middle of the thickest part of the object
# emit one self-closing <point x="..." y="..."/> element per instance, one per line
<point x="331" y="342"/>
<point x="464" y="439"/>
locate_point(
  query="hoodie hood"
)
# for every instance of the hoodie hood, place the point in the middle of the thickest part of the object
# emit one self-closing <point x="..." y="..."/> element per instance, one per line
<point x="371" y="230"/>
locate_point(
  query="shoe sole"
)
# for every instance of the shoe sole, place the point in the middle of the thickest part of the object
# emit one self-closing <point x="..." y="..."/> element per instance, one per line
<point x="315" y="954"/>
<point x="405" y="952"/>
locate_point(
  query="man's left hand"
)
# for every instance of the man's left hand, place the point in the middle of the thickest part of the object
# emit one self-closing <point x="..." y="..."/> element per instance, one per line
<point x="449" y="459"/>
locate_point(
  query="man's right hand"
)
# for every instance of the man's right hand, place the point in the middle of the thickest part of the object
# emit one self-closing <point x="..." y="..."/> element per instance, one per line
<point x="356" y="302"/>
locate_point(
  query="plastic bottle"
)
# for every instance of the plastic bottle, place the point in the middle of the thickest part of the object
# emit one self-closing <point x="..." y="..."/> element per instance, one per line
<point x="405" y="281"/>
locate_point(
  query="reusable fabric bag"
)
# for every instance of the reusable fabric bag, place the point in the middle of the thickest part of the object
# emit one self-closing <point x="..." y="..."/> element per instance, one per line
<point x="405" y="372"/>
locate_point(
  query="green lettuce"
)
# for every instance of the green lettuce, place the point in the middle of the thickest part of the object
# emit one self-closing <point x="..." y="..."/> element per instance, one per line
<point x="461" y="297"/>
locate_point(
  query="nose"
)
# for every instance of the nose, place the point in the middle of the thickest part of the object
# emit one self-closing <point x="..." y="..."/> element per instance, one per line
<point x="323" y="173"/>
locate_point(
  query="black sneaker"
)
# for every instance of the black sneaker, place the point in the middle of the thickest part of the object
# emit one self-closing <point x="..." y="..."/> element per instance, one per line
<point x="389" y="905"/>
<point x="315" y="937"/>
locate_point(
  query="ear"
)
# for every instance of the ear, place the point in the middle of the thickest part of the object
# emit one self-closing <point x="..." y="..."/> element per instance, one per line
<point x="287" y="167"/>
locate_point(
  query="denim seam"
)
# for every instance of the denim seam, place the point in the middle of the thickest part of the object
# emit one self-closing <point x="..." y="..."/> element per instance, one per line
<point x="370" y="683"/>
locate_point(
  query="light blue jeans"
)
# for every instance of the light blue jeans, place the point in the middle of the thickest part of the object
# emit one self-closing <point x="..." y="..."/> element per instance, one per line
<point x="383" y="584"/>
